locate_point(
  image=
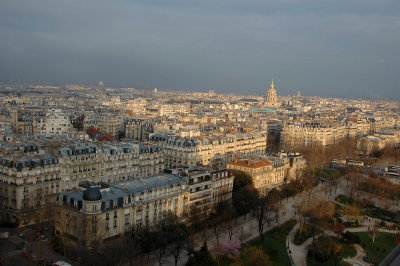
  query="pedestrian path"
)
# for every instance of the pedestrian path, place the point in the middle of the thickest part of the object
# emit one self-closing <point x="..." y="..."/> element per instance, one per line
<point x="359" y="258"/>
<point x="298" y="254"/>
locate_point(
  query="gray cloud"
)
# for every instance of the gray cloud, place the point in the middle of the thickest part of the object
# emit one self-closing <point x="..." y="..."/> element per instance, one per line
<point x="334" y="48"/>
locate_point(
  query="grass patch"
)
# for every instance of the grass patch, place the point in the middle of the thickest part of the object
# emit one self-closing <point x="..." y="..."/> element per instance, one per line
<point x="306" y="233"/>
<point x="328" y="250"/>
<point x="376" y="252"/>
<point x="348" y="251"/>
<point x="331" y="172"/>
<point x="312" y="262"/>
<point x="274" y="245"/>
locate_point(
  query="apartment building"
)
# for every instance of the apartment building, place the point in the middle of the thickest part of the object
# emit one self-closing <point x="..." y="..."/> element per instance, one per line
<point x="55" y="122"/>
<point x="90" y="214"/>
<point x="30" y="177"/>
<point x="93" y="214"/>
<point x="310" y="133"/>
<point x="110" y="124"/>
<point x="271" y="171"/>
<point x="208" y="150"/>
<point x="27" y="182"/>
<point x="138" y="129"/>
<point x="174" y="109"/>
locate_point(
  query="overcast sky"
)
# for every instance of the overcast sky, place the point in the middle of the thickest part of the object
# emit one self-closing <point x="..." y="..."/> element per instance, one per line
<point x="320" y="47"/>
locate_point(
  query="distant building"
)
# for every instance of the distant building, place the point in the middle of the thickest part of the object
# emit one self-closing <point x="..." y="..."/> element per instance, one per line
<point x="211" y="151"/>
<point x="55" y="122"/>
<point x="138" y="129"/>
<point x="271" y="99"/>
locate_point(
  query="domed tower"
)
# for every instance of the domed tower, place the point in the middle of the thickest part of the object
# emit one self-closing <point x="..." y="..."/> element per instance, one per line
<point x="92" y="200"/>
<point x="271" y="99"/>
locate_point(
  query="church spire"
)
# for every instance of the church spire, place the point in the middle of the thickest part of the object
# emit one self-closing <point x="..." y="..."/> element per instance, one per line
<point x="272" y="84"/>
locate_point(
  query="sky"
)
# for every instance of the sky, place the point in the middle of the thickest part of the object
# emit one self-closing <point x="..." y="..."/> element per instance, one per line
<point x="344" y="48"/>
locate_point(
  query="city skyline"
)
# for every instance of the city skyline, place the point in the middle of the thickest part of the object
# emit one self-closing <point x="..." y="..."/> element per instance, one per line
<point x="325" y="49"/>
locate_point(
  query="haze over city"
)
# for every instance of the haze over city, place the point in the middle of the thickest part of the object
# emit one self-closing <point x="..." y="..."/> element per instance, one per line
<point x="323" y="48"/>
<point x="193" y="133"/>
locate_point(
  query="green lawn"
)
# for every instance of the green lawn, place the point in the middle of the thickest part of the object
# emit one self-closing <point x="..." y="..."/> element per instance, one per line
<point x="331" y="172"/>
<point x="348" y="251"/>
<point x="274" y="245"/>
<point x="324" y="249"/>
<point x="384" y="243"/>
<point x="311" y="262"/>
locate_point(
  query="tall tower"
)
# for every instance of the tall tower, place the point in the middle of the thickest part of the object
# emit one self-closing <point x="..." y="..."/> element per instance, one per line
<point x="271" y="99"/>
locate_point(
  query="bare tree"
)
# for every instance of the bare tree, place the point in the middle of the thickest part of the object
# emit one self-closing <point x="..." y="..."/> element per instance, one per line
<point x="352" y="211"/>
<point x="373" y="233"/>
<point x="262" y="213"/>
<point x="274" y="201"/>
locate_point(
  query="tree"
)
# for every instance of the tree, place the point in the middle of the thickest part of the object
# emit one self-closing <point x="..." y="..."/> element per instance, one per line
<point x="373" y="232"/>
<point x="196" y="217"/>
<point x="352" y="211"/>
<point x="274" y="201"/>
<point x="241" y="180"/>
<point x="301" y="209"/>
<point x="229" y="247"/>
<point x="179" y="241"/>
<point x="130" y="248"/>
<point x="354" y="178"/>
<point x="201" y="257"/>
<point x="251" y="256"/>
<point x="146" y="238"/>
<point x="243" y="199"/>
<point x="338" y="228"/>
<point x="225" y="214"/>
<point x="65" y="216"/>
<point x="262" y="213"/>
<point x="321" y="211"/>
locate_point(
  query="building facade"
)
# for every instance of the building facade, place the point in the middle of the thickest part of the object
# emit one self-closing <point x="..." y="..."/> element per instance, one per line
<point x="270" y="172"/>
<point x="211" y="151"/>
<point x="31" y="176"/>
<point x="91" y="214"/>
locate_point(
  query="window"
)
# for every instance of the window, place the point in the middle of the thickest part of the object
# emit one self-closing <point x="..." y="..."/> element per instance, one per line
<point x="94" y="229"/>
<point x="115" y="223"/>
<point x="94" y="207"/>
<point x="94" y="218"/>
<point x="115" y="214"/>
<point x="107" y="216"/>
<point x="126" y="220"/>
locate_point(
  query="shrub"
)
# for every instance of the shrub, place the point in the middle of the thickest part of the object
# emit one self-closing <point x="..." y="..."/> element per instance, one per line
<point x="350" y="238"/>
